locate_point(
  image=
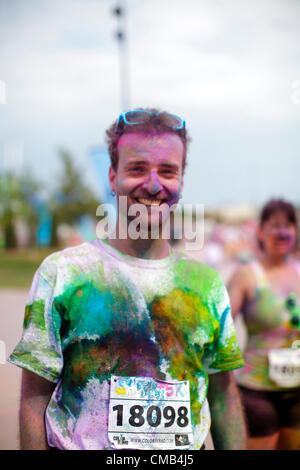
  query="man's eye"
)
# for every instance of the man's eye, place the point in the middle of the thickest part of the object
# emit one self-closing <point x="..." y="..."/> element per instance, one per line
<point x="136" y="168"/>
<point x="169" y="173"/>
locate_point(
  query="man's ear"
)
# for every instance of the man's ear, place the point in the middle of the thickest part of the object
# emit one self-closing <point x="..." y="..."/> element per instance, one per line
<point x="112" y="175"/>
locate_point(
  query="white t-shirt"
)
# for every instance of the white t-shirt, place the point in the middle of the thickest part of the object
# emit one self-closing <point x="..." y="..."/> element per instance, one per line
<point x="94" y="312"/>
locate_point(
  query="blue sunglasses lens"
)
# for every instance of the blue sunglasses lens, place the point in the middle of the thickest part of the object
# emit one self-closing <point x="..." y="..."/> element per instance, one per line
<point x="172" y="121"/>
<point x="136" y="117"/>
<point x="140" y="116"/>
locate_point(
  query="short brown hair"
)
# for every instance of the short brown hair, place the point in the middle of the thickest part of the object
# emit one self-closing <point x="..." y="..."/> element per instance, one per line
<point x="153" y="126"/>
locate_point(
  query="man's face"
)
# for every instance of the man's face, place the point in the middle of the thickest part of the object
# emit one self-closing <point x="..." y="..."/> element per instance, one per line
<point x="149" y="170"/>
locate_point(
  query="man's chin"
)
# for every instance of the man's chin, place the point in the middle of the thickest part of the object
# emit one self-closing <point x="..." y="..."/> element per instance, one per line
<point x="144" y="229"/>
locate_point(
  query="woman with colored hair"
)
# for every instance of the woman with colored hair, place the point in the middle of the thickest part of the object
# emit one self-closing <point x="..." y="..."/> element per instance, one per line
<point x="266" y="292"/>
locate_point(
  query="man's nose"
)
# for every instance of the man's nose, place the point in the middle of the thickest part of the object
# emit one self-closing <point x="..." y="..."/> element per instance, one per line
<point x="153" y="185"/>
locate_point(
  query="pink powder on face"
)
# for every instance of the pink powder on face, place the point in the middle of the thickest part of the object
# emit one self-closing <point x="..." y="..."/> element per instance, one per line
<point x="153" y="151"/>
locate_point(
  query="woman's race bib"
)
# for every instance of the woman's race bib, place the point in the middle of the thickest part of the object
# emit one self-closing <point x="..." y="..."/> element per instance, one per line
<point x="146" y="413"/>
<point x="284" y="367"/>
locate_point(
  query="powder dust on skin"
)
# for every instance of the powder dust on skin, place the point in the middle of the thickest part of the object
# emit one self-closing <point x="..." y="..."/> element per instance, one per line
<point x="149" y="166"/>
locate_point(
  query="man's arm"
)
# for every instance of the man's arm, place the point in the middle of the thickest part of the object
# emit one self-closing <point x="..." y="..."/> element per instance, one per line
<point x="35" y="396"/>
<point x="228" y="427"/>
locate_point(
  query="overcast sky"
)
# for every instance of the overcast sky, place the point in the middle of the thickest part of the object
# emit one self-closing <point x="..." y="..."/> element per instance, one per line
<point x="231" y="68"/>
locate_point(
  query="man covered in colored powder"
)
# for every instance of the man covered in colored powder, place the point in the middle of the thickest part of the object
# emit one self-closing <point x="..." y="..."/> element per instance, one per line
<point x="127" y="343"/>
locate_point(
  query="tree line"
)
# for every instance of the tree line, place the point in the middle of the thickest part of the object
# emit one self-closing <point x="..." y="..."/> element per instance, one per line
<point x="22" y="198"/>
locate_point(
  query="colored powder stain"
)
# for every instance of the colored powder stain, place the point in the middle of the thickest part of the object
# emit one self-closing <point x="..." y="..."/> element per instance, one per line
<point x="175" y="318"/>
<point x="27" y="357"/>
<point x="265" y="312"/>
<point x="74" y="307"/>
<point x="27" y="316"/>
<point x="113" y="338"/>
<point x="290" y="327"/>
<point x="35" y="318"/>
<point x="227" y="350"/>
<point x="247" y="369"/>
<point x="35" y="314"/>
<point x="202" y="278"/>
<point x="126" y="354"/>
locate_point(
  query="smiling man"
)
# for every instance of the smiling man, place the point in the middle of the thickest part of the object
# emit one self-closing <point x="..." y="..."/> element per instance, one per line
<point x="125" y="338"/>
<point x="149" y="174"/>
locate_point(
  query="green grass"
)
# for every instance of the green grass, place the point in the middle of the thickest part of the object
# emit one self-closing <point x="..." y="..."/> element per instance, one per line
<point x="17" y="267"/>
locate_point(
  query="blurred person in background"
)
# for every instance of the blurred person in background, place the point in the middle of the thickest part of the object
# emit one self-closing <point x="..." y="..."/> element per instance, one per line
<point x="266" y="291"/>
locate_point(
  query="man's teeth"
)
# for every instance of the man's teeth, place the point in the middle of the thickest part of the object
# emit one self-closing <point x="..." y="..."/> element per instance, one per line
<point x="150" y="202"/>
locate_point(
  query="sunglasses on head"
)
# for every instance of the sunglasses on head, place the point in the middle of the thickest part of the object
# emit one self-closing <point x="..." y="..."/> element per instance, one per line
<point x="140" y="116"/>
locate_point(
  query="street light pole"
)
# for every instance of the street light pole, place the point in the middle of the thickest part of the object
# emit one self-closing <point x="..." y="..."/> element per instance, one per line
<point x="121" y="36"/>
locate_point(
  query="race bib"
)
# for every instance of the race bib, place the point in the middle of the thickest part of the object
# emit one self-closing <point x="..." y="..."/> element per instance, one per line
<point x="284" y="367"/>
<point x="146" y="413"/>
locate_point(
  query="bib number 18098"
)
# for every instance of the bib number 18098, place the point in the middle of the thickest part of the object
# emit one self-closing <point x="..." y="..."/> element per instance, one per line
<point x="153" y="416"/>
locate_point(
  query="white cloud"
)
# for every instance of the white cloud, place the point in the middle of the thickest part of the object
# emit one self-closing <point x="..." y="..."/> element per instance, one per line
<point x="176" y="56"/>
<point x="216" y="60"/>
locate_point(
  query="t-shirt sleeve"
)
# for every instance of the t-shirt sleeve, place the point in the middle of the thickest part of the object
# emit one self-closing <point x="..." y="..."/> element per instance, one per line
<point x="224" y="354"/>
<point x="39" y="349"/>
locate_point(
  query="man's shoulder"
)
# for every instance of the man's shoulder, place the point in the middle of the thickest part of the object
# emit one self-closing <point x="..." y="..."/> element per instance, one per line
<point x="201" y="278"/>
<point x="69" y="258"/>
<point x="194" y="266"/>
<point x="193" y="275"/>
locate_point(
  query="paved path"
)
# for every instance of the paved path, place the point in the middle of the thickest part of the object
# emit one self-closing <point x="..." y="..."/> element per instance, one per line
<point x="11" y="320"/>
